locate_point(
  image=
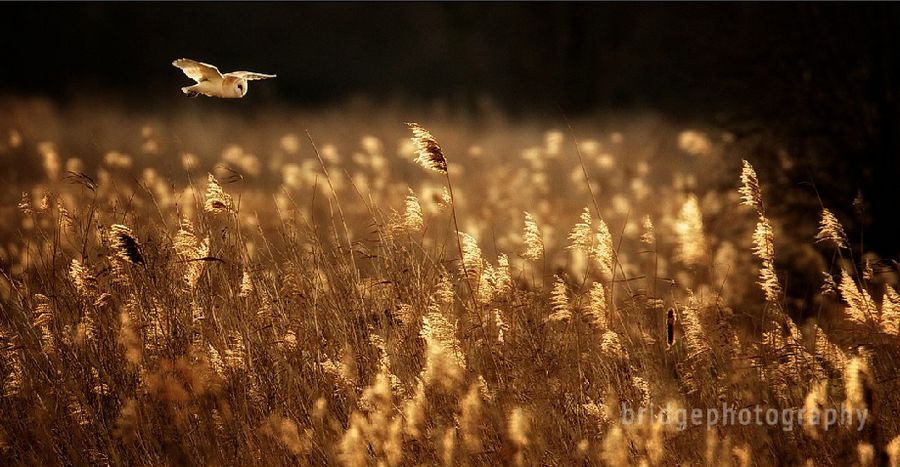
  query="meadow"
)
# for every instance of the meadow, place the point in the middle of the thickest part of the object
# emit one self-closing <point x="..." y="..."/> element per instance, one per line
<point x="341" y="287"/>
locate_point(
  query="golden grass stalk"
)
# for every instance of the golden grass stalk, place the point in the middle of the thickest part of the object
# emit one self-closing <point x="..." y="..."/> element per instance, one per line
<point x="43" y="317"/>
<point x="444" y="360"/>
<point x="500" y="323"/>
<point x="598" y="412"/>
<point x="890" y="311"/>
<point x="611" y="345"/>
<point x="487" y="286"/>
<point x="768" y="281"/>
<point x="413" y="221"/>
<point x="596" y="245"/>
<point x="694" y="335"/>
<point x="472" y="261"/>
<point x="764" y="241"/>
<point x="502" y="279"/>
<point x="215" y="361"/>
<point x="43" y="311"/>
<point x="559" y="301"/>
<point x="581" y="238"/>
<point x="534" y="244"/>
<point x="85" y="283"/>
<point x="830" y="229"/>
<point x="125" y="244"/>
<point x="750" y="191"/>
<point x="643" y="388"/>
<point x="428" y="152"/>
<point x="384" y="363"/>
<point x="217" y="201"/>
<point x="860" y="306"/>
<point x="431" y="157"/>
<point x="602" y="252"/>
<point x="235" y="356"/>
<point x="830" y="352"/>
<point x="444" y="294"/>
<point x="598" y="307"/>
<point x="14" y="381"/>
<point x="192" y="252"/>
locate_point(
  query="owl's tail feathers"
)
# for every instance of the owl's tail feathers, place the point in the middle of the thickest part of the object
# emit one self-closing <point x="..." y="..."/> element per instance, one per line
<point x="190" y="92"/>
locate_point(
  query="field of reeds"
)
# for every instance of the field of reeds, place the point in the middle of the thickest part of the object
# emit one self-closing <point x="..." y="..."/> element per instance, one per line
<point x="208" y="287"/>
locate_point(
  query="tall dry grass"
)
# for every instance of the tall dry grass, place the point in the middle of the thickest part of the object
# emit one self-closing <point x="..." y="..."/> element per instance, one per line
<point x="267" y="297"/>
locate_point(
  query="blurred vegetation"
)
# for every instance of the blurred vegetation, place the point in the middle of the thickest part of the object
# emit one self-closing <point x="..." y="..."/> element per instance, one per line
<point x="818" y="81"/>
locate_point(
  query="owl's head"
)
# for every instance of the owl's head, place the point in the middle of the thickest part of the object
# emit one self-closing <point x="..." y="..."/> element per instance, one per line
<point x="240" y="87"/>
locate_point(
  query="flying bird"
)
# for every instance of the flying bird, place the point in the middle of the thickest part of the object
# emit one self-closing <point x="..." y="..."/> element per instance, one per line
<point x="212" y="83"/>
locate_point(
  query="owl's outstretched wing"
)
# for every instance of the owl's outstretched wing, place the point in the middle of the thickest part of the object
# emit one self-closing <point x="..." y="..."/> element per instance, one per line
<point x="198" y="71"/>
<point x="249" y="75"/>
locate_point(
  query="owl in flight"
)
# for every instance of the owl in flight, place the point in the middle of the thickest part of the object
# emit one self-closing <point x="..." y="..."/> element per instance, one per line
<point x="214" y="84"/>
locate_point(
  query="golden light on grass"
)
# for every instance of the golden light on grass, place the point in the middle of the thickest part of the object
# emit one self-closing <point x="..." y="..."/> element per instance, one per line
<point x="329" y="311"/>
<point x="429" y="154"/>
<point x="598" y="307"/>
<point x="125" y="244"/>
<point x="689" y="228"/>
<point x="830" y="229"/>
<point x="559" y="301"/>
<point x="534" y="244"/>
<point x="217" y="201"/>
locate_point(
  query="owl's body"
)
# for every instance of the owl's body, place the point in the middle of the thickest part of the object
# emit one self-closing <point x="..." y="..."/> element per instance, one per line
<point x="228" y="87"/>
<point x="212" y="83"/>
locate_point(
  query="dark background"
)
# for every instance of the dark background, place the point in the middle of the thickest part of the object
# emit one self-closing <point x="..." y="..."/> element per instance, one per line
<point x="817" y="80"/>
<point x="530" y="55"/>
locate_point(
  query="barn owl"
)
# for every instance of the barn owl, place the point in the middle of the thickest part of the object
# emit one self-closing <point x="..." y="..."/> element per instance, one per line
<point x="212" y="83"/>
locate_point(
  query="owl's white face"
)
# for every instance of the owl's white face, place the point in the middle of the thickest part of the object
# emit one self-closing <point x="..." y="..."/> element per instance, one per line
<point x="240" y="87"/>
<point x="232" y="87"/>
